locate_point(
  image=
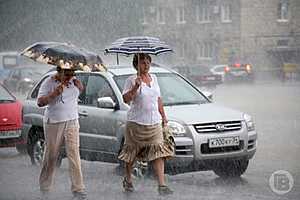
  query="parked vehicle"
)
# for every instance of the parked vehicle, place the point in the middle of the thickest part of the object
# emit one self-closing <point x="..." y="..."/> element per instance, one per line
<point x="239" y="72"/>
<point x="200" y="75"/>
<point x="8" y="59"/>
<point x="219" y="70"/>
<point x="22" y="79"/>
<point x="10" y="119"/>
<point x="207" y="136"/>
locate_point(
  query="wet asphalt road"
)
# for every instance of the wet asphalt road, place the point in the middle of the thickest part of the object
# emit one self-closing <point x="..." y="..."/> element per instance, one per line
<point x="276" y="111"/>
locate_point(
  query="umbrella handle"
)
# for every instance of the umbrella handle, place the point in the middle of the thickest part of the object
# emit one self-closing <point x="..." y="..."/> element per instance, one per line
<point x="139" y="72"/>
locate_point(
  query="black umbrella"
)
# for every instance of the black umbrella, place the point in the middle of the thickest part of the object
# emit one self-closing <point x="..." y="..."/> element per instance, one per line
<point x="57" y="53"/>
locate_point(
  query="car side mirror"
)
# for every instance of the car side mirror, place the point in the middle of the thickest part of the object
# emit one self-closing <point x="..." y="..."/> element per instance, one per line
<point x="106" y="102"/>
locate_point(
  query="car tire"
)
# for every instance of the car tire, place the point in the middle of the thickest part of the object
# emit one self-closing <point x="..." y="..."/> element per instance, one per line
<point x="21" y="149"/>
<point x="231" y="168"/>
<point x="36" y="147"/>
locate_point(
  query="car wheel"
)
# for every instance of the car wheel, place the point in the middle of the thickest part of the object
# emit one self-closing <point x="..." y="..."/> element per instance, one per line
<point x="35" y="145"/>
<point x="36" y="148"/>
<point x="21" y="149"/>
<point x="231" y="168"/>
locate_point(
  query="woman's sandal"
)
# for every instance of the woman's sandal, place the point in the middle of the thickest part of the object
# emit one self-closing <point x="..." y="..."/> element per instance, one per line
<point x="164" y="190"/>
<point x="127" y="186"/>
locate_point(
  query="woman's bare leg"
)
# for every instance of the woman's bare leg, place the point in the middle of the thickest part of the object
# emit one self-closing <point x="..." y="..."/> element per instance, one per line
<point x="128" y="170"/>
<point x="159" y="168"/>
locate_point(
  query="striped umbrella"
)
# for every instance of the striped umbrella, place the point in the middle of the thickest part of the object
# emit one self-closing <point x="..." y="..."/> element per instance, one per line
<point x="138" y="44"/>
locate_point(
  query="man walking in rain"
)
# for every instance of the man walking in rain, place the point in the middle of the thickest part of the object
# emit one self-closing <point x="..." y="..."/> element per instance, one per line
<point x="60" y="94"/>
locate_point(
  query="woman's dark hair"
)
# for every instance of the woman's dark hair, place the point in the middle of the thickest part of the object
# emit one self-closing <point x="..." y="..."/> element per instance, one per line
<point x="60" y="70"/>
<point x="142" y="56"/>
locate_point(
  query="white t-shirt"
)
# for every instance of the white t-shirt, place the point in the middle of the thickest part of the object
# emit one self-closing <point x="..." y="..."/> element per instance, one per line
<point x="144" y="107"/>
<point x="65" y="106"/>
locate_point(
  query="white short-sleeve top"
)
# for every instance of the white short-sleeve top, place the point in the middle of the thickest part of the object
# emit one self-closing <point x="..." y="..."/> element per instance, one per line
<point x="144" y="107"/>
<point x="65" y="106"/>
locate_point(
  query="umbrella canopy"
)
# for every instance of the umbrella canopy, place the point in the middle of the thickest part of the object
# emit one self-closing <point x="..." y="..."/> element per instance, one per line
<point x="138" y="44"/>
<point x="64" y="54"/>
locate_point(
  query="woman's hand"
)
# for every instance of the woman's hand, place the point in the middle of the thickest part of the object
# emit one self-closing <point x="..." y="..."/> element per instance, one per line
<point x="58" y="90"/>
<point x="78" y="84"/>
<point x="164" y="121"/>
<point x="138" y="82"/>
<point x="45" y="100"/>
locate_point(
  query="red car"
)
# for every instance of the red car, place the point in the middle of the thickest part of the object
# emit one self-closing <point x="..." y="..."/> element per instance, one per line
<point x="10" y="119"/>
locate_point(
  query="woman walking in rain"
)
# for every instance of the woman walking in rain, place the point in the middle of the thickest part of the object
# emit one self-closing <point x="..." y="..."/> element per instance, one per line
<point x="144" y="136"/>
<point x="60" y="94"/>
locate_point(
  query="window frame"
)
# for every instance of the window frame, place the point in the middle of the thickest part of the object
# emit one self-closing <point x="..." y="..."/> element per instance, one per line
<point x="203" y="12"/>
<point x="205" y="50"/>
<point x="86" y="86"/>
<point x="160" y="15"/>
<point x="283" y="17"/>
<point x="226" y="13"/>
<point x="180" y="15"/>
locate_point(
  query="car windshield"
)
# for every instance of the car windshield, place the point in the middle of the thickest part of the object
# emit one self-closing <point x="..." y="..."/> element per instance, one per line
<point x="5" y="96"/>
<point x="33" y="73"/>
<point x="174" y="89"/>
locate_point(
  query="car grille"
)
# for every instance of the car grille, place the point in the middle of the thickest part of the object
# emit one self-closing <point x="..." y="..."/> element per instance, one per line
<point x="206" y="150"/>
<point x="183" y="150"/>
<point x="217" y="127"/>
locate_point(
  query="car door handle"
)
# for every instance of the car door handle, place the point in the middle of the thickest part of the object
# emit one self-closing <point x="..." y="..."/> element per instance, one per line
<point x="83" y="114"/>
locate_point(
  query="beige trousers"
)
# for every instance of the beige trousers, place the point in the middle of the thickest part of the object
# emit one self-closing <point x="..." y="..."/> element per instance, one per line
<point x="55" y="135"/>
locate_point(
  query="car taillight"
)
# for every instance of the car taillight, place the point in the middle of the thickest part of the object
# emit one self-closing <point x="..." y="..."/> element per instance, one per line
<point x="237" y="64"/>
<point x="226" y="69"/>
<point x="248" y="68"/>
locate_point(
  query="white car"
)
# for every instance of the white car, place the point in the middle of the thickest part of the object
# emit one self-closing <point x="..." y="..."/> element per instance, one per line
<point x="219" y="70"/>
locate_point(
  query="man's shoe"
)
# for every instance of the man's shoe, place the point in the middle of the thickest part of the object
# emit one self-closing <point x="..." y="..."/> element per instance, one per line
<point x="80" y="196"/>
<point x="127" y="186"/>
<point x="164" y="190"/>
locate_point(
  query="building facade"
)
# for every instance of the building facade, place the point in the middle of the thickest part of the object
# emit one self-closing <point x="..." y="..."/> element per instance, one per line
<point x="224" y="31"/>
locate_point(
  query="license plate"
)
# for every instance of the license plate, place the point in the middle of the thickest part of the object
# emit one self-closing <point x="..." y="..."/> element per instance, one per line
<point x="224" y="142"/>
<point x="210" y="78"/>
<point x="10" y="134"/>
<point x="239" y="73"/>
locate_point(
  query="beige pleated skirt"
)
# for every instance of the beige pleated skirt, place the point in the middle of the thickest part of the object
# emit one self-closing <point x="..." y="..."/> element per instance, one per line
<point x="144" y="143"/>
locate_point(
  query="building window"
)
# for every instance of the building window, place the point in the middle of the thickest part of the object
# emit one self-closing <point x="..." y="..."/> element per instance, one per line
<point x="205" y="50"/>
<point x="180" y="15"/>
<point x="160" y="15"/>
<point x="226" y="13"/>
<point x="203" y="12"/>
<point x="283" y="43"/>
<point x="144" y="16"/>
<point x="283" y="10"/>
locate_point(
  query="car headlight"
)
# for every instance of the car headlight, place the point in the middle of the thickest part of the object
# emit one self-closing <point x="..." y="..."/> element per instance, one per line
<point x="249" y="122"/>
<point x="176" y="128"/>
<point x="27" y="80"/>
